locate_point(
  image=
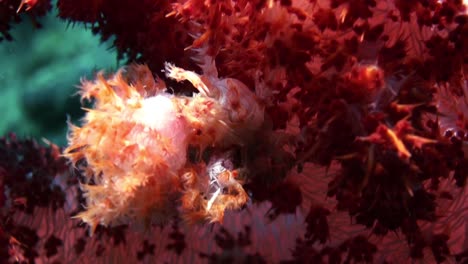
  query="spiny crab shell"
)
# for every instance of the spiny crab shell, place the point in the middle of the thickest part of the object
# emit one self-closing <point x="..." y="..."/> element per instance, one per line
<point x="132" y="147"/>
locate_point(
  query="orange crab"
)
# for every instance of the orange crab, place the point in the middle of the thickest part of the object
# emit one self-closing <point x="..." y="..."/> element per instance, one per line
<point x="135" y="142"/>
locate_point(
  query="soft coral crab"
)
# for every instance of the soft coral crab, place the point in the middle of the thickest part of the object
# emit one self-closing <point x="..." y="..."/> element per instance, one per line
<point x="135" y="144"/>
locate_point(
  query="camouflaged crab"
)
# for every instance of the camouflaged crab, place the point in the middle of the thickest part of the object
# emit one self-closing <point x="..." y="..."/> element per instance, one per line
<point x="134" y="145"/>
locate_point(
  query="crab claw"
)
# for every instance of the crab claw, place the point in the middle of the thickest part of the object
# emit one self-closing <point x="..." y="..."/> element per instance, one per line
<point x="180" y="74"/>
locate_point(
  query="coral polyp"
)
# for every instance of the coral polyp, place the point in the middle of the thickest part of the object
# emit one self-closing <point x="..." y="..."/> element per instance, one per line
<point x="133" y="145"/>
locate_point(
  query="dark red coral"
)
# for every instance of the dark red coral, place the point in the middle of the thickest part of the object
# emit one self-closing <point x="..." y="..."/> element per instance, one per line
<point x="141" y="32"/>
<point x="11" y="10"/>
<point x="28" y="171"/>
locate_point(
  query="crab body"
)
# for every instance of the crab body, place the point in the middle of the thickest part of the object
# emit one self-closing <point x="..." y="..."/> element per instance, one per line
<point x="134" y="145"/>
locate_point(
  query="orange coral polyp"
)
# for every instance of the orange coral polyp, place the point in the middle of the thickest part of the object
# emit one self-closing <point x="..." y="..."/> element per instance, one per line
<point x="135" y="146"/>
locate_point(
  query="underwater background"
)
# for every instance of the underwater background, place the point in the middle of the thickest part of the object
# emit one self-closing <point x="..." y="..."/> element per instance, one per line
<point x="40" y="71"/>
